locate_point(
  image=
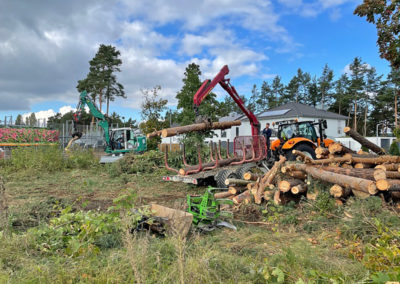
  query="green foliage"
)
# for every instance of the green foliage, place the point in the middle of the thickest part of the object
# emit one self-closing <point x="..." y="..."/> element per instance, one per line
<point x="152" y="108"/>
<point x="77" y="233"/>
<point x="49" y="159"/>
<point x="134" y="164"/>
<point x="386" y="17"/>
<point x="394" y="149"/>
<point x="101" y="80"/>
<point x="396" y="132"/>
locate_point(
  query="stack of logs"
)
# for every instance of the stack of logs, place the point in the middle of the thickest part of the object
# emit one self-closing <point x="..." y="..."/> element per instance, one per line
<point x="343" y="171"/>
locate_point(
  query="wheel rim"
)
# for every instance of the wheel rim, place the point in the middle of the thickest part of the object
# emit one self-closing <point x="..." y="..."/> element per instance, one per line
<point x="308" y="155"/>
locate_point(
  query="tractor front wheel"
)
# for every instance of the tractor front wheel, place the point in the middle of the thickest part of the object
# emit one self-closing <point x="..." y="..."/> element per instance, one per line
<point x="306" y="149"/>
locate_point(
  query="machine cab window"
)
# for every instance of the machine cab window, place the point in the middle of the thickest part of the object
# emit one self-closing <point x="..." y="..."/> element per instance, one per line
<point x="308" y="131"/>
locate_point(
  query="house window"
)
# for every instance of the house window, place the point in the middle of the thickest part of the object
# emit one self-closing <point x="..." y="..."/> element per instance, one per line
<point x="237" y="131"/>
<point x="223" y="133"/>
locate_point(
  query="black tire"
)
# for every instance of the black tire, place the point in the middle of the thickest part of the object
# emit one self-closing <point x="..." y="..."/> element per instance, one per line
<point x="307" y="149"/>
<point x="222" y="176"/>
<point x="242" y="170"/>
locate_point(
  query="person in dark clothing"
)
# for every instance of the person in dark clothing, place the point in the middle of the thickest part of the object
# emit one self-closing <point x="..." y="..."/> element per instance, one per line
<point x="267" y="132"/>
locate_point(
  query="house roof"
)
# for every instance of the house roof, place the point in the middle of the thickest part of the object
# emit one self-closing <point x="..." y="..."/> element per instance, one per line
<point x="232" y="116"/>
<point x="298" y="110"/>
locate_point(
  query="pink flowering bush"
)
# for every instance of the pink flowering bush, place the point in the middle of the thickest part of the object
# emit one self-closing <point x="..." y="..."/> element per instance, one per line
<point x="26" y="135"/>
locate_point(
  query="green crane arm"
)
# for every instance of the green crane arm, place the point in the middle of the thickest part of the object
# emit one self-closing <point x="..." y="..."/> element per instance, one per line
<point x="85" y="100"/>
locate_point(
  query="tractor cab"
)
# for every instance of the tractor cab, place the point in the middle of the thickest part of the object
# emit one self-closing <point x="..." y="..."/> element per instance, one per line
<point x="303" y="136"/>
<point x="127" y="140"/>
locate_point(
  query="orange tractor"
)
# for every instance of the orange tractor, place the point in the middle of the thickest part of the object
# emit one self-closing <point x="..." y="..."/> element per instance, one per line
<point x="301" y="136"/>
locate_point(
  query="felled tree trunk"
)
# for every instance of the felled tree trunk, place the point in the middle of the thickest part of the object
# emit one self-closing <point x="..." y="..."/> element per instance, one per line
<point x="338" y="191"/>
<point x="300" y="188"/>
<point x="235" y="181"/>
<point x="224" y="194"/>
<point x="286" y="185"/>
<point x="241" y="197"/>
<point x="168" y="132"/>
<point x="363" y="141"/>
<point x="359" y="184"/>
<point x="388" y="167"/>
<point x="250" y="176"/>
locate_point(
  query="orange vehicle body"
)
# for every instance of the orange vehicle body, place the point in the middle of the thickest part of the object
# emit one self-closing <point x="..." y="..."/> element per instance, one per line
<point x="294" y="141"/>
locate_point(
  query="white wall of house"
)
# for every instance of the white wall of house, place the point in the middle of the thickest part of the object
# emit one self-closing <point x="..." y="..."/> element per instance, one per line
<point x="334" y="130"/>
<point x="383" y="142"/>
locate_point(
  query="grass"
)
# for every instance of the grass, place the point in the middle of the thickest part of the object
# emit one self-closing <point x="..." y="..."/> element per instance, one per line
<point x="310" y="242"/>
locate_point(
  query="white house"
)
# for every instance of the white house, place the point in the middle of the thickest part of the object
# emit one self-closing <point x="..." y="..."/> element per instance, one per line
<point x="289" y="111"/>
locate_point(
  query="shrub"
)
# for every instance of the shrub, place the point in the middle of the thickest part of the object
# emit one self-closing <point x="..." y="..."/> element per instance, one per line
<point x="394" y="149"/>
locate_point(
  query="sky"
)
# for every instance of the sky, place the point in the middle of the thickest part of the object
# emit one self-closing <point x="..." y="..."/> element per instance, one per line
<point x="46" y="46"/>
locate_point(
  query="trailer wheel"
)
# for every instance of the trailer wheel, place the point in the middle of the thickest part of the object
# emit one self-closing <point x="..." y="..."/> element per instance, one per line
<point x="242" y="170"/>
<point x="222" y="176"/>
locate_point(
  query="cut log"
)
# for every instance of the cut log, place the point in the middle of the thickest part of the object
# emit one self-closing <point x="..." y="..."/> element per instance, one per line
<point x="241" y="197"/>
<point x="338" y="191"/>
<point x="346" y="166"/>
<point x="359" y="184"/>
<point x="322" y="151"/>
<point x="360" y="194"/>
<point x="383" y="184"/>
<point x="379" y="174"/>
<point x="298" y="174"/>
<point x="345" y="159"/>
<point x="388" y="167"/>
<point x="236" y="190"/>
<point x="363" y="141"/>
<point x="250" y="176"/>
<point x="267" y="179"/>
<point x="154" y="133"/>
<point x="277" y="197"/>
<point x="305" y="158"/>
<point x="169" y="132"/>
<point x="362" y="166"/>
<point x="235" y="181"/>
<point x="286" y="185"/>
<point x="385" y="159"/>
<point x="335" y="148"/>
<point x="224" y="194"/>
<point x="300" y="188"/>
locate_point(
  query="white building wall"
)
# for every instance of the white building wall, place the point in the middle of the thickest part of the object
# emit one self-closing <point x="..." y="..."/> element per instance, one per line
<point x="383" y="142"/>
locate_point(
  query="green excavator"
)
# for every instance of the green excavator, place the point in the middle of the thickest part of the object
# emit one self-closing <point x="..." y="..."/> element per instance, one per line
<point x="119" y="141"/>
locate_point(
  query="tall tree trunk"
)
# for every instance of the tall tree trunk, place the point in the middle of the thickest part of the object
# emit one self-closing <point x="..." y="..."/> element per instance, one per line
<point x="108" y="104"/>
<point x="355" y="116"/>
<point x="395" y="108"/>
<point x="365" y="120"/>
<point x="100" y="100"/>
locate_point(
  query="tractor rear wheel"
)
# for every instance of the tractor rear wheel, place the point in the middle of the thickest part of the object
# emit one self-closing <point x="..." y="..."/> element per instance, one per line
<point x="306" y="149"/>
<point x="222" y="176"/>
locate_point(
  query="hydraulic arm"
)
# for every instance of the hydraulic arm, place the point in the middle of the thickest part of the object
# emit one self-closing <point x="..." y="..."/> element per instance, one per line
<point x="208" y="85"/>
<point x="85" y="100"/>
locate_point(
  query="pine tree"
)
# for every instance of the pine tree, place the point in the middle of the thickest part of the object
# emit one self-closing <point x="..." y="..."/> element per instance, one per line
<point x="19" y="120"/>
<point x="101" y="81"/>
<point x="277" y="90"/>
<point x="32" y="119"/>
<point x="208" y="108"/>
<point x="357" y="85"/>
<point x="325" y="83"/>
<point x="341" y="97"/>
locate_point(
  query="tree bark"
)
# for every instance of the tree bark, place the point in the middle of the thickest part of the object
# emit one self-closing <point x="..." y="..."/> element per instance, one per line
<point x="236" y="189"/>
<point x="241" y="197"/>
<point x="168" y="132"/>
<point x="235" y="181"/>
<point x="154" y="133"/>
<point x="306" y="158"/>
<point x="359" y="184"/>
<point x="224" y="194"/>
<point x="388" y="167"/>
<point x="363" y="141"/>
<point x="250" y="176"/>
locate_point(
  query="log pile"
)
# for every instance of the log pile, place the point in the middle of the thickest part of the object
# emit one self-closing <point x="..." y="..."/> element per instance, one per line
<point x="339" y="170"/>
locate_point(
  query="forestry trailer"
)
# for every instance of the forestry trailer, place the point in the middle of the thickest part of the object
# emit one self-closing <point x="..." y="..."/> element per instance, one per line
<point x="249" y="152"/>
<point x="119" y="141"/>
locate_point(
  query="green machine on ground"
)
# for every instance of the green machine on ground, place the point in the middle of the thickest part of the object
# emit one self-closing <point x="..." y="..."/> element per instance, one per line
<point x="206" y="210"/>
<point x="118" y="141"/>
